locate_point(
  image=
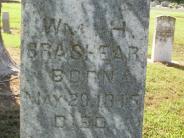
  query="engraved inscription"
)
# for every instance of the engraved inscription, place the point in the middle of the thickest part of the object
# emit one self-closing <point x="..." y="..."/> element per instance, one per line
<point x="120" y="28"/>
<point x="164" y="35"/>
<point x="117" y="53"/>
<point x="59" y="51"/>
<point x="32" y="53"/>
<point x="59" y="121"/>
<point x="100" y="122"/>
<point x="133" y="53"/>
<point x="85" y="121"/>
<point x="75" y="76"/>
<point x="45" y="99"/>
<point x="51" y="25"/>
<point x="92" y="122"/>
<point x="83" y="100"/>
<point x="73" y="100"/>
<point x="77" y="51"/>
<point x="107" y="76"/>
<point x="55" y="25"/>
<point x="109" y="100"/>
<point x="57" y="75"/>
<point x="104" y="52"/>
<point x="45" y="51"/>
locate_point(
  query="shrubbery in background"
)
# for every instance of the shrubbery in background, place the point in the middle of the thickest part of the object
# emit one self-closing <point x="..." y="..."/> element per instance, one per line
<point x="176" y="1"/>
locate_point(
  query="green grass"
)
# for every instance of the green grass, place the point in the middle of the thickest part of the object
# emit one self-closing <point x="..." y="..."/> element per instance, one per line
<point x="164" y="102"/>
<point x="15" y="14"/>
<point x="13" y="40"/>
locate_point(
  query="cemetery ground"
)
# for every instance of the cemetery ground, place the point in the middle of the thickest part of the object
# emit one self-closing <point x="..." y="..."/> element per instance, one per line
<point x="164" y="101"/>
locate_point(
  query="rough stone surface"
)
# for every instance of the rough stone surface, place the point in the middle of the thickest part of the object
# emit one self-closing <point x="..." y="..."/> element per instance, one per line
<point x="163" y="39"/>
<point x="6" y="22"/>
<point x="83" y="68"/>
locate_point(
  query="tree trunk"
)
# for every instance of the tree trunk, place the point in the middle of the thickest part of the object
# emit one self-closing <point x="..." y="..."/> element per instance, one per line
<point x="7" y="65"/>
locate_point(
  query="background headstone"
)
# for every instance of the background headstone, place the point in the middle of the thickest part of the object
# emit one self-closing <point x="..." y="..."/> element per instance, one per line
<point x="165" y="4"/>
<point x="163" y="39"/>
<point x="83" y="68"/>
<point x="154" y="3"/>
<point x="6" y="22"/>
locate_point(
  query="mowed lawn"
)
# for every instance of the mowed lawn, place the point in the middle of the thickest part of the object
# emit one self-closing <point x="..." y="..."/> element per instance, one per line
<point x="164" y="101"/>
<point x="13" y="40"/>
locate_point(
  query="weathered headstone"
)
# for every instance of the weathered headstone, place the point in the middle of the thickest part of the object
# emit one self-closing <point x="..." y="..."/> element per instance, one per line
<point x="163" y="39"/>
<point x="6" y="22"/>
<point x="165" y="4"/>
<point x="83" y="68"/>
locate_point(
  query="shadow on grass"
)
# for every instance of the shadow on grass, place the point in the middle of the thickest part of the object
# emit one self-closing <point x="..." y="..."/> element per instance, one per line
<point x="9" y="111"/>
<point x="174" y="65"/>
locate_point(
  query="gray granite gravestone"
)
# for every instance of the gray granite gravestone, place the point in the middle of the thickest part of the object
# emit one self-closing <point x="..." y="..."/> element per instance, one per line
<point x="83" y="68"/>
<point x="6" y="22"/>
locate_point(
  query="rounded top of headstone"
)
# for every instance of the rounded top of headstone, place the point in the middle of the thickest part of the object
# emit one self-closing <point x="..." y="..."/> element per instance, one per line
<point x="165" y="24"/>
<point x="166" y="18"/>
